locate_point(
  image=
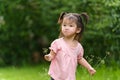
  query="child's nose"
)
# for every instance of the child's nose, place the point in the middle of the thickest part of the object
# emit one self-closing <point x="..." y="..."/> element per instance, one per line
<point x="67" y="27"/>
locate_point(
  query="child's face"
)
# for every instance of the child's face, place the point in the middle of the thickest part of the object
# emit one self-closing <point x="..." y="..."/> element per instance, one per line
<point x="69" y="28"/>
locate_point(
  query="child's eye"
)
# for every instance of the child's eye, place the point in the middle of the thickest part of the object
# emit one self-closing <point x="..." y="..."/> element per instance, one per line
<point x="71" y="25"/>
<point x="64" y="25"/>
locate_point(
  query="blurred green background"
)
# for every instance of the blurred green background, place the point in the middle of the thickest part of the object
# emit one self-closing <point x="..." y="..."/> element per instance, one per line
<point x="27" y="27"/>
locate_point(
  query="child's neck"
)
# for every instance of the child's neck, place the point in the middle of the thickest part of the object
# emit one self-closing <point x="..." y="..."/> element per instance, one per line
<point x="70" y="41"/>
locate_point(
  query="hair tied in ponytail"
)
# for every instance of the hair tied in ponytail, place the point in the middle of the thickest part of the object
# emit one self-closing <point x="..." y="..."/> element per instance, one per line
<point x="61" y="17"/>
<point x="84" y="17"/>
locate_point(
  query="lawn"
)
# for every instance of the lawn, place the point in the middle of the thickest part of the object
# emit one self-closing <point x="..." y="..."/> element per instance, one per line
<point x="40" y="73"/>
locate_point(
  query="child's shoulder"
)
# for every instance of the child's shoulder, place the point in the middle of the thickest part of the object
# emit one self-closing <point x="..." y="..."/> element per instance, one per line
<point x="58" y="40"/>
<point x="80" y="45"/>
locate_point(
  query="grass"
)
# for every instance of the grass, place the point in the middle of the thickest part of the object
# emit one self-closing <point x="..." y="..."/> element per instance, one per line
<point x="40" y="73"/>
<point x="103" y="73"/>
<point x="24" y="73"/>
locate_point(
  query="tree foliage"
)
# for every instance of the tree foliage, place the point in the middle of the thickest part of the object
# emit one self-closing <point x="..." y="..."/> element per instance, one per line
<point x="27" y="26"/>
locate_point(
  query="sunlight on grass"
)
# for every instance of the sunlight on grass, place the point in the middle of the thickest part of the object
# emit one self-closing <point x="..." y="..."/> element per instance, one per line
<point x="102" y="73"/>
<point x="24" y="73"/>
<point x="40" y="73"/>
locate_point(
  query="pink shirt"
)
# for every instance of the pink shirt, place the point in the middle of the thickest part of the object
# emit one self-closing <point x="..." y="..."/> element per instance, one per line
<point x="64" y="64"/>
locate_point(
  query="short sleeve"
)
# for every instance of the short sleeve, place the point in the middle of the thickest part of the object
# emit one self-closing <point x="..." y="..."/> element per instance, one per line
<point x="81" y="53"/>
<point x="54" y="46"/>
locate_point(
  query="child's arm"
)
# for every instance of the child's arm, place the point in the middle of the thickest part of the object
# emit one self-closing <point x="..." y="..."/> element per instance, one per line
<point x="84" y="63"/>
<point x="50" y="56"/>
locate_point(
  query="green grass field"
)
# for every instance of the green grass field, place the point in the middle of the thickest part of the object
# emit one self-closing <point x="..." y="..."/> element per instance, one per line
<point x="40" y="73"/>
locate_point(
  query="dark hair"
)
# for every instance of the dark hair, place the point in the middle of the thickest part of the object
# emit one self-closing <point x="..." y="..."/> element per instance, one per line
<point x="82" y="19"/>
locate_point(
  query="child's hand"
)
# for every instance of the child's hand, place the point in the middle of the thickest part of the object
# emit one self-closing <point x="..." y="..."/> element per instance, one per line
<point x="92" y="71"/>
<point x="48" y="57"/>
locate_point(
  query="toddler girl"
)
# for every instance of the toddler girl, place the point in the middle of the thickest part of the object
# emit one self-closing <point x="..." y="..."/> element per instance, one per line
<point x="66" y="51"/>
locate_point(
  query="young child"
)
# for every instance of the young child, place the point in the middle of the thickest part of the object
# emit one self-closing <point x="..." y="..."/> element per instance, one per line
<point x="66" y="51"/>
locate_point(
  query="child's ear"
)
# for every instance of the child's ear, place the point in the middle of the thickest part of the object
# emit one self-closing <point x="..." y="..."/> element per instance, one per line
<point x="78" y="30"/>
<point x="61" y="17"/>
